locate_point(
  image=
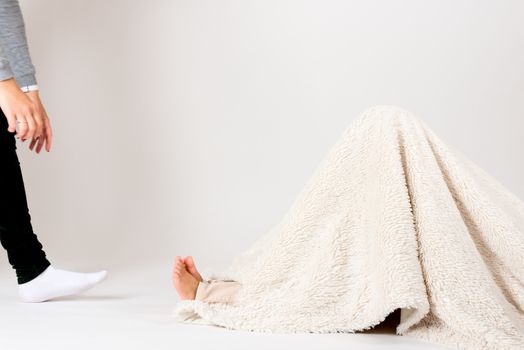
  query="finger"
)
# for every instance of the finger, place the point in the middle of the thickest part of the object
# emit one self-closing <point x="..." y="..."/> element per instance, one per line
<point x="48" y="135"/>
<point x="40" y="144"/>
<point x="39" y="125"/>
<point x="11" y="121"/>
<point x="22" y="126"/>
<point x="31" y="128"/>
<point x="33" y="142"/>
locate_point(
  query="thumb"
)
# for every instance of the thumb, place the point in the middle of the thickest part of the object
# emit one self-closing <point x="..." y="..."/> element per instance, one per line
<point x="11" y="121"/>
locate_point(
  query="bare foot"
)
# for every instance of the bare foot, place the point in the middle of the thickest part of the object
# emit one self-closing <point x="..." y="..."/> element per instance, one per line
<point x="191" y="268"/>
<point x="184" y="282"/>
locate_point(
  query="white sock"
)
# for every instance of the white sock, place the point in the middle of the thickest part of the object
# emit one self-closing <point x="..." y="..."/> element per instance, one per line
<point x="54" y="283"/>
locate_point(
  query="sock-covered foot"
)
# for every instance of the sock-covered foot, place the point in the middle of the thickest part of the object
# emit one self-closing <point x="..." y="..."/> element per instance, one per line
<point x="191" y="268"/>
<point x="54" y="283"/>
<point x="185" y="283"/>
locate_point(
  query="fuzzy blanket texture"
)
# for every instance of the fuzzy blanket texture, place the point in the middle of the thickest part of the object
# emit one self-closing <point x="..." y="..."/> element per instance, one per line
<point x="394" y="218"/>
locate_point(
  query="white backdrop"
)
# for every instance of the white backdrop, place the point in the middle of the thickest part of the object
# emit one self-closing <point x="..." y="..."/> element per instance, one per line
<point x="190" y="126"/>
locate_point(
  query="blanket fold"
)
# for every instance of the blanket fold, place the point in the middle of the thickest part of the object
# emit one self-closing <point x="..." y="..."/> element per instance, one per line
<point x="393" y="218"/>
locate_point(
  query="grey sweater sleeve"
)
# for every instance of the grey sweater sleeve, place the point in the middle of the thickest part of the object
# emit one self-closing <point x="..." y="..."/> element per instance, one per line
<point x="14" y="52"/>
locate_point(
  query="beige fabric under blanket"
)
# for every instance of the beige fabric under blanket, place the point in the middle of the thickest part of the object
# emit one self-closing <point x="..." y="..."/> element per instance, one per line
<point x="393" y="218"/>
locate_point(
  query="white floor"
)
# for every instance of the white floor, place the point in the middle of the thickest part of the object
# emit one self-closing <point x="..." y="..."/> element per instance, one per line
<point x="133" y="311"/>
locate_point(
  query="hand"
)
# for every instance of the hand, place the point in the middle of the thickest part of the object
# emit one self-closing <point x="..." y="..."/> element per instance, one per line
<point x="47" y="132"/>
<point x="27" y="112"/>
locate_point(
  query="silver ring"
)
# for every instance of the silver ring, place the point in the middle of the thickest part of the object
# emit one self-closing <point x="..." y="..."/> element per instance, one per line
<point x="20" y="122"/>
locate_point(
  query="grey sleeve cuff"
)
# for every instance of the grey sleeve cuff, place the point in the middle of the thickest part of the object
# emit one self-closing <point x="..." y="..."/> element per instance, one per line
<point x="26" y="80"/>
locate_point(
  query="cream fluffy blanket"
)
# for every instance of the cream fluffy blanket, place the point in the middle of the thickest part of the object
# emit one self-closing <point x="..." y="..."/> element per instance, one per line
<point x="393" y="219"/>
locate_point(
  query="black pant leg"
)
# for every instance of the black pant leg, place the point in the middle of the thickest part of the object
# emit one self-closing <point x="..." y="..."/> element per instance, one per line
<point x="24" y="251"/>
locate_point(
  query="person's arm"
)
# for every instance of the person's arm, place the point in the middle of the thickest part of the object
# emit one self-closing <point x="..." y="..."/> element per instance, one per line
<point x="25" y="113"/>
<point x="5" y="67"/>
<point x="15" y="60"/>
